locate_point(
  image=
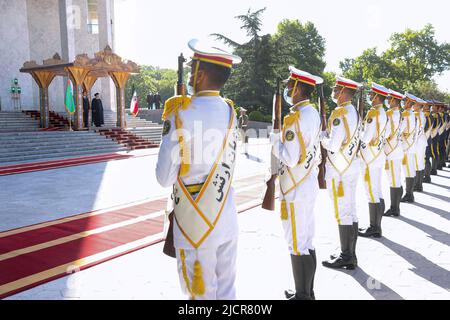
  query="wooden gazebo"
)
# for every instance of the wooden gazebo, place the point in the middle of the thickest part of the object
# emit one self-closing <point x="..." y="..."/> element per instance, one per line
<point x="83" y="73"/>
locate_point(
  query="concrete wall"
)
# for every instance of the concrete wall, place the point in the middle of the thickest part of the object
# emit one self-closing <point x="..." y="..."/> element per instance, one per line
<point x="36" y="30"/>
<point x="14" y="51"/>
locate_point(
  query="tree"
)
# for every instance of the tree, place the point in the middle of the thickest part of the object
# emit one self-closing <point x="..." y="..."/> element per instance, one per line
<point x="413" y="59"/>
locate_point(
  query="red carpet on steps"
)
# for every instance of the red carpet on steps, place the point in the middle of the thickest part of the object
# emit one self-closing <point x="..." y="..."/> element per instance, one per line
<point x="54" y="164"/>
<point x="36" y="254"/>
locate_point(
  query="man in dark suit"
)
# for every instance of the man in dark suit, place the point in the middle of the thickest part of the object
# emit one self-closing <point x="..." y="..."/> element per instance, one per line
<point x="97" y="111"/>
<point x="85" y="109"/>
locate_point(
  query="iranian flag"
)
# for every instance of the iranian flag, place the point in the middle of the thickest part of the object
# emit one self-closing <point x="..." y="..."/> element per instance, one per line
<point x="134" y="106"/>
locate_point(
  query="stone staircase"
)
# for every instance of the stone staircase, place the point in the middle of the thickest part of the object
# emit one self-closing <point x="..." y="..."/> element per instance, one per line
<point x="21" y="147"/>
<point x="17" y="122"/>
<point x="128" y="139"/>
<point x="56" y="121"/>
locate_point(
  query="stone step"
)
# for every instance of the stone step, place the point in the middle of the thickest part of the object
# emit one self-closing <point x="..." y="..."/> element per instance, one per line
<point x="7" y="161"/>
<point x="49" y="135"/>
<point x="51" y="145"/>
<point x="59" y="151"/>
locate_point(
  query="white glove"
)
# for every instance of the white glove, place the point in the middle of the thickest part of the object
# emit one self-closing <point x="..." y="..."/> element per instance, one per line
<point x="323" y="135"/>
<point x="274" y="137"/>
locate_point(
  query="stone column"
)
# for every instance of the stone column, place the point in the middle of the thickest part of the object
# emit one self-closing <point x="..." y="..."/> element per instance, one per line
<point x="120" y="79"/>
<point x="89" y="82"/>
<point x="78" y="75"/>
<point x="43" y="80"/>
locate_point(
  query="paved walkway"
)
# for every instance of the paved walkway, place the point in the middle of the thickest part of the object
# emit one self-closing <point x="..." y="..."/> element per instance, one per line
<point x="411" y="261"/>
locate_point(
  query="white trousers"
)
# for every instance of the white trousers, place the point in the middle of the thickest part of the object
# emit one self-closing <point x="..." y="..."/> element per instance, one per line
<point x="372" y="183"/>
<point x="394" y="172"/>
<point x="299" y="228"/>
<point x="344" y="207"/>
<point x="419" y="159"/>
<point x="409" y="166"/>
<point x="218" y="271"/>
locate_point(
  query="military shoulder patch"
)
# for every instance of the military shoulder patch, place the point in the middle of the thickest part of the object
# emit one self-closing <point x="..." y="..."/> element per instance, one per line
<point x="369" y="120"/>
<point x="290" y="135"/>
<point x="336" y="122"/>
<point x="166" y="127"/>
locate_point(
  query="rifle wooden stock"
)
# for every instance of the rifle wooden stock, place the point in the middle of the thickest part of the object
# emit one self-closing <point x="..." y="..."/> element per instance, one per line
<point x="323" y="151"/>
<point x="269" y="197"/>
<point x="169" y="248"/>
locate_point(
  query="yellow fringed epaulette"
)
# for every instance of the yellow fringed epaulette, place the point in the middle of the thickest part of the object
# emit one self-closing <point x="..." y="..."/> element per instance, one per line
<point x="338" y="113"/>
<point x="373" y="113"/>
<point x="417" y="114"/>
<point x="229" y="102"/>
<point x="174" y="104"/>
<point x="427" y="114"/>
<point x="390" y="112"/>
<point x="290" y="119"/>
<point x="405" y="114"/>
<point x="435" y="115"/>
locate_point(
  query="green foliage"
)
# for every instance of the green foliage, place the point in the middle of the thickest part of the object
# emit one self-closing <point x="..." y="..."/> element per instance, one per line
<point x="256" y="116"/>
<point x="151" y="79"/>
<point x="267" y="57"/>
<point x="413" y="59"/>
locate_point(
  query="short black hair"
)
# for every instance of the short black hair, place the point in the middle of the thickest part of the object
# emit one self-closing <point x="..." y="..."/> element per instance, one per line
<point x="217" y="75"/>
<point x="306" y="89"/>
<point x="96" y="94"/>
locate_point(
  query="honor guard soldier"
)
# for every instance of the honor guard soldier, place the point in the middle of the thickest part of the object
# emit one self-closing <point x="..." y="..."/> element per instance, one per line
<point x="409" y="147"/>
<point x="421" y="144"/>
<point x="447" y="134"/>
<point x="428" y="127"/>
<point x="342" y="170"/>
<point x="298" y="153"/>
<point x="394" y="151"/>
<point x="436" y="124"/>
<point x="205" y="229"/>
<point x="242" y="125"/>
<point x="373" y="158"/>
<point x="442" y="136"/>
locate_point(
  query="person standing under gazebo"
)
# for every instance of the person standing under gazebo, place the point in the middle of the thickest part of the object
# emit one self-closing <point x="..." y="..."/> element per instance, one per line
<point x="97" y="111"/>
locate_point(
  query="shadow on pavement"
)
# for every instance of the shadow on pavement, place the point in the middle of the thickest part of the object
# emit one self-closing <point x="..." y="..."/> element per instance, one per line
<point x="440" y="185"/>
<point x="434" y="195"/>
<point x="435" y="234"/>
<point x="377" y="289"/>
<point x="444" y="214"/>
<point x="421" y="266"/>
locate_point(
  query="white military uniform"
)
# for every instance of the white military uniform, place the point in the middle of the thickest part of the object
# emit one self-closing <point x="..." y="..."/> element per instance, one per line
<point x="421" y="144"/>
<point x="205" y="123"/>
<point x="409" y="143"/>
<point x="393" y="147"/>
<point x="342" y="166"/>
<point x="197" y="156"/>
<point x="372" y="153"/>
<point x="298" y="152"/>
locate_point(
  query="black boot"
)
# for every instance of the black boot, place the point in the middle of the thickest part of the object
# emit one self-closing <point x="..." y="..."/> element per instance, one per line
<point x="345" y="259"/>
<point x="396" y="195"/>
<point x="418" y="181"/>
<point x="434" y="164"/>
<point x="355" y="239"/>
<point x="427" y="178"/>
<point x="372" y="231"/>
<point x="383" y="205"/>
<point x="303" y="269"/>
<point x="409" y="196"/>
<point x="313" y="254"/>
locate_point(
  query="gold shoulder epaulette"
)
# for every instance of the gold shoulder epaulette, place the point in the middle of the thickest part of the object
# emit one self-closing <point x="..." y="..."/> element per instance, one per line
<point x="417" y="114"/>
<point x="290" y="119"/>
<point x="435" y="115"/>
<point x="339" y="112"/>
<point x="427" y="114"/>
<point x="390" y="112"/>
<point x="405" y="114"/>
<point x="229" y="101"/>
<point x="373" y="113"/>
<point x="174" y="104"/>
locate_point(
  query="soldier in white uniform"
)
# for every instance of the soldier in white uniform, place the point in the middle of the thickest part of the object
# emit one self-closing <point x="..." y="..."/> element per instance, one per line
<point x="428" y="128"/>
<point x="394" y="151"/>
<point x="341" y="140"/>
<point x="205" y="228"/>
<point x="409" y="135"/>
<point x="297" y="148"/>
<point x="421" y="144"/>
<point x="373" y="158"/>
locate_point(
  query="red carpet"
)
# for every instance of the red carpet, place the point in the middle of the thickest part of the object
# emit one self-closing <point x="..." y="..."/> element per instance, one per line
<point x="37" y="254"/>
<point x="54" y="164"/>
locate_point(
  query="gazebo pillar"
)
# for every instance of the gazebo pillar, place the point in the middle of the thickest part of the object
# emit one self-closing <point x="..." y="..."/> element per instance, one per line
<point x="43" y="80"/>
<point x="89" y="82"/>
<point x="120" y="80"/>
<point x="78" y="75"/>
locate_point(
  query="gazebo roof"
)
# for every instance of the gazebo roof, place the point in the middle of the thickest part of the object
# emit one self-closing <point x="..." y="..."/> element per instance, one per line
<point x="104" y="62"/>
